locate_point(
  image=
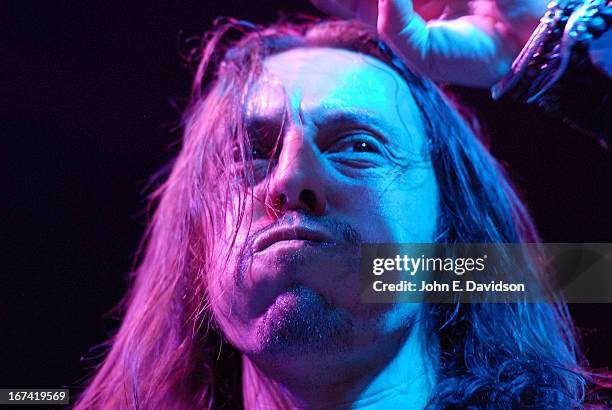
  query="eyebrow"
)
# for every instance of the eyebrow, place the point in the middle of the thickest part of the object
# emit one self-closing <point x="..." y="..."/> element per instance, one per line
<point x="327" y="121"/>
<point x="336" y="120"/>
<point x="264" y="128"/>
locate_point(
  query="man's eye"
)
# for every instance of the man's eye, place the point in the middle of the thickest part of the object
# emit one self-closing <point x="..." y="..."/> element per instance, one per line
<point x="355" y="144"/>
<point x="262" y="149"/>
<point x="363" y="146"/>
<point x="258" y="153"/>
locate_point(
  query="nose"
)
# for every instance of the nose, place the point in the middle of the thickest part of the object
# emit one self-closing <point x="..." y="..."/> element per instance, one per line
<point x="296" y="182"/>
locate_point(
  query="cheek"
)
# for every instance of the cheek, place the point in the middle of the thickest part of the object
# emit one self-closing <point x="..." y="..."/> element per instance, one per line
<point x="400" y="210"/>
<point x="227" y="302"/>
<point x="224" y="294"/>
<point x="412" y="209"/>
<point x="220" y="291"/>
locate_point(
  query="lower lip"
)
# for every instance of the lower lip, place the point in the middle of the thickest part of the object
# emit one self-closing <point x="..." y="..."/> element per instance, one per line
<point x="294" y="245"/>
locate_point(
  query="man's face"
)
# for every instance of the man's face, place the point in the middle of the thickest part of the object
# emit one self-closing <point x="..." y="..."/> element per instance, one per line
<point x="350" y="166"/>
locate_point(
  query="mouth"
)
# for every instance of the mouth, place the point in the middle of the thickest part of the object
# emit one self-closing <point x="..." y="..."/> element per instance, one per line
<point x="295" y="236"/>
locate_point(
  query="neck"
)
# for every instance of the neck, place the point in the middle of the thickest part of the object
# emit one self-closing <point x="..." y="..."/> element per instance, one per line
<point x="405" y="381"/>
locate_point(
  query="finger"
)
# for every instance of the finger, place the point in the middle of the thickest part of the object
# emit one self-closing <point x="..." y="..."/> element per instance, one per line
<point x="394" y="16"/>
<point x="433" y="9"/>
<point x="405" y="31"/>
<point x="363" y="10"/>
<point x="345" y="9"/>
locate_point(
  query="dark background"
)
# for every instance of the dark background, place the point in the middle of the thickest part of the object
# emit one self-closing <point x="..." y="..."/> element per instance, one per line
<point x="90" y="96"/>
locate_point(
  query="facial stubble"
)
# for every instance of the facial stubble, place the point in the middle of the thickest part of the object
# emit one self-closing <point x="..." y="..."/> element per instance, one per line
<point x="302" y="320"/>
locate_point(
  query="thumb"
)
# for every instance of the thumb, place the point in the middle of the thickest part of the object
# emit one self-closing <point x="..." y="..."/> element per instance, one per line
<point x="364" y="10"/>
<point x="394" y="16"/>
<point x="404" y="30"/>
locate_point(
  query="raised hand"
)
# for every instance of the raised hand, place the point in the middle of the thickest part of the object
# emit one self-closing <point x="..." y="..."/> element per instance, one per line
<point x="452" y="41"/>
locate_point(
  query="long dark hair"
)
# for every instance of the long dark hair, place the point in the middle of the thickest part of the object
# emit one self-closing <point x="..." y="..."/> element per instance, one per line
<point x="169" y="354"/>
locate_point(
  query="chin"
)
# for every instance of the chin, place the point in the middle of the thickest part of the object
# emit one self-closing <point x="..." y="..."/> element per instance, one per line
<point x="301" y="322"/>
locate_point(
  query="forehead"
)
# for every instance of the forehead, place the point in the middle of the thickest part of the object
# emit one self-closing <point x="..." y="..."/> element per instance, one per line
<point x="316" y="81"/>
